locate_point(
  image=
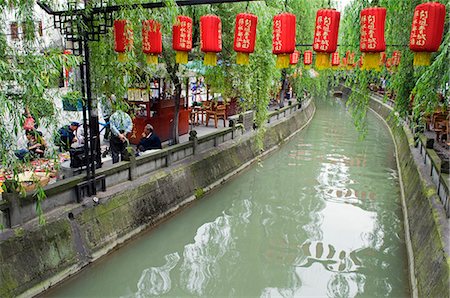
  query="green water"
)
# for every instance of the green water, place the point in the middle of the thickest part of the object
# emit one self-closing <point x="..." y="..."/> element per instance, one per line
<point x="321" y="217"/>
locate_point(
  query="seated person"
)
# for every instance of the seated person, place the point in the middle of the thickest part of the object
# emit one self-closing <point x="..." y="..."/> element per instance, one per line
<point x="67" y="136"/>
<point x="35" y="147"/>
<point x="149" y="140"/>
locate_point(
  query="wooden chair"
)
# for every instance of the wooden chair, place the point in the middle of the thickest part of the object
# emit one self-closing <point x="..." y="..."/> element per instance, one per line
<point x="216" y="112"/>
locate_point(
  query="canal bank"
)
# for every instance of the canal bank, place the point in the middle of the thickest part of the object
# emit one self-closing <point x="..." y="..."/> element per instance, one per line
<point x="37" y="257"/>
<point x="426" y="225"/>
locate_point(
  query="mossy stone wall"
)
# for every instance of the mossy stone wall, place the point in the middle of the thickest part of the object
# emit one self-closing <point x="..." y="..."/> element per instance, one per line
<point x="426" y="219"/>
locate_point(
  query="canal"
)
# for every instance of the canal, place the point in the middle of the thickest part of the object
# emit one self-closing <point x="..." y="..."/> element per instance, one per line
<point x="320" y="217"/>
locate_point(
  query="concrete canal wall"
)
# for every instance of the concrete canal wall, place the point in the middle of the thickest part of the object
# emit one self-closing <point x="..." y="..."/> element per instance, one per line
<point x="36" y="257"/>
<point x="426" y="224"/>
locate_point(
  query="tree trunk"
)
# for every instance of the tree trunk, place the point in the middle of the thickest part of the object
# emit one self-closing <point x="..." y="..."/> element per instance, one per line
<point x="172" y="69"/>
<point x="175" y="135"/>
<point x="283" y="88"/>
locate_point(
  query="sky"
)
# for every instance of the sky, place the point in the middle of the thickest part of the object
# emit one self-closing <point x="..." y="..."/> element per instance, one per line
<point x="342" y="4"/>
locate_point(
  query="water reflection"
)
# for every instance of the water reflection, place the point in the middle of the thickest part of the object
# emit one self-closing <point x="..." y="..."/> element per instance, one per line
<point x="156" y="280"/>
<point x="201" y="259"/>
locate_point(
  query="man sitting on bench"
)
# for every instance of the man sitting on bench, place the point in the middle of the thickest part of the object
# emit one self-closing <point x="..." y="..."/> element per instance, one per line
<point x="149" y="140"/>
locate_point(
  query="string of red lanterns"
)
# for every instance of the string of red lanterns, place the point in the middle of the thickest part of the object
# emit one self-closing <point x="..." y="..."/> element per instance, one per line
<point x="426" y="36"/>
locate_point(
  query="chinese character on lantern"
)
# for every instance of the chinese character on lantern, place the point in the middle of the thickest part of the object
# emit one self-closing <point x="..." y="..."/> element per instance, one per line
<point x="426" y="32"/>
<point x="151" y="40"/>
<point x="372" y="41"/>
<point x="123" y="38"/>
<point x="182" y="38"/>
<point x="245" y="36"/>
<point x="283" y="42"/>
<point x="210" y="38"/>
<point x="326" y="36"/>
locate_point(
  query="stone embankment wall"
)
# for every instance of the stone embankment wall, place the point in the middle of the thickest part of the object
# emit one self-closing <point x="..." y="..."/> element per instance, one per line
<point x="426" y="226"/>
<point x="36" y="257"/>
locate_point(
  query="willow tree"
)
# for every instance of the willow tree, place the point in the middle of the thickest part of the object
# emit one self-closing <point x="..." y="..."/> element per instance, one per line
<point x="425" y="83"/>
<point x="27" y="73"/>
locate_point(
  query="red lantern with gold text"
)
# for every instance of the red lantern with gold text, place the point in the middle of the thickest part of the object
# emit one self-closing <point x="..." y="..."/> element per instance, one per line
<point x="372" y="41"/>
<point x="396" y="55"/>
<point x="151" y="40"/>
<point x="344" y="62"/>
<point x="335" y="60"/>
<point x="360" y="62"/>
<point x="350" y="57"/>
<point x="382" y="58"/>
<point x="210" y="38"/>
<point x="182" y="38"/>
<point x="389" y="63"/>
<point x="307" y="58"/>
<point x="326" y="36"/>
<point x="283" y="43"/>
<point x="426" y="32"/>
<point x="245" y="37"/>
<point x="294" y="57"/>
<point x="123" y="38"/>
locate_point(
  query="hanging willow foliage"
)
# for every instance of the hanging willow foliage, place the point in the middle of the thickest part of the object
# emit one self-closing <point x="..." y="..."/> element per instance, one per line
<point x="415" y="90"/>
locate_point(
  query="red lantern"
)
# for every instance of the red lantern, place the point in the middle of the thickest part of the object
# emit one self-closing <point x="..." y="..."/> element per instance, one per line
<point x="211" y="38"/>
<point x="123" y="38"/>
<point x="326" y="36"/>
<point x="389" y="63"/>
<point x="344" y="62"/>
<point x="372" y="41"/>
<point x="382" y="58"/>
<point x="396" y="58"/>
<point x="182" y="38"/>
<point x="68" y="70"/>
<point x="335" y="60"/>
<point x="283" y="43"/>
<point x="350" y="57"/>
<point x="426" y="32"/>
<point x="360" y="62"/>
<point x="307" y="58"/>
<point x="294" y="57"/>
<point x="151" y="40"/>
<point x="245" y="36"/>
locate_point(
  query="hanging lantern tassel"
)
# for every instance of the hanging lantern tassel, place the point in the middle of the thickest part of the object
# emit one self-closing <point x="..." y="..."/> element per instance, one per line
<point x="181" y="57"/>
<point x="210" y="59"/>
<point x="322" y="60"/>
<point x="122" y="57"/>
<point x="371" y="61"/>
<point x="422" y="58"/>
<point x="283" y="61"/>
<point x="242" y="58"/>
<point x="151" y="59"/>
